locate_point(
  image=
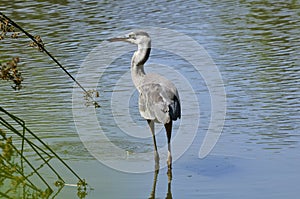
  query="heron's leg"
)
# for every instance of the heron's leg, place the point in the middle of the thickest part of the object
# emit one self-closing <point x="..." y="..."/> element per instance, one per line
<point x="156" y="156"/>
<point x="168" y="127"/>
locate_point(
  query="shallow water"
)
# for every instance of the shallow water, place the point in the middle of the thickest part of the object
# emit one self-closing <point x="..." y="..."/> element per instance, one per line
<point x="255" y="45"/>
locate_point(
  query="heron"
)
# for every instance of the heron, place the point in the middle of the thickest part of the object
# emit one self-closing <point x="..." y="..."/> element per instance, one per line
<point x="158" y="97"/>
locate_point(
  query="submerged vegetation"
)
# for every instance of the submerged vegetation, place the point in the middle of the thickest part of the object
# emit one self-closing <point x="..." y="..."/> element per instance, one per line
<point x="20" y="176"/>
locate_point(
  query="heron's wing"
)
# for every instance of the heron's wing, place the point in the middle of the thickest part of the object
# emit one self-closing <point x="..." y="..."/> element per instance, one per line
<point x="151" y="103"/>
<point x="158" y="102"/>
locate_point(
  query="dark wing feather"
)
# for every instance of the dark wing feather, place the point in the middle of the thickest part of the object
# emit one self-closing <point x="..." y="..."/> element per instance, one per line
<point x="174" y="108"/>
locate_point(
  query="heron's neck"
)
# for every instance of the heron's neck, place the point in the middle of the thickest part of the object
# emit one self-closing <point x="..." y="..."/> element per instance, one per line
<point x="137" y="64"/>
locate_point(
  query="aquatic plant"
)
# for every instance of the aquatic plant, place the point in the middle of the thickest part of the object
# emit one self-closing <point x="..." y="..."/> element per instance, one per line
<point x="9" y="71"/>
<point x="7" y="25"/>
<point x="20" y="177"/>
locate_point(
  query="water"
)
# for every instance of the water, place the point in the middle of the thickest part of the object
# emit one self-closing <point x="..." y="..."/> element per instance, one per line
<point x="255" y="45"/>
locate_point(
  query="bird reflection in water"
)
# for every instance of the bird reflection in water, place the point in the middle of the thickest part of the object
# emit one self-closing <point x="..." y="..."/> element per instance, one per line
<point x="169" y="193"/>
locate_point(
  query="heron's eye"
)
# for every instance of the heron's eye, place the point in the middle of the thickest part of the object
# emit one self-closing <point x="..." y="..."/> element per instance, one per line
<point x="132" y="36"/>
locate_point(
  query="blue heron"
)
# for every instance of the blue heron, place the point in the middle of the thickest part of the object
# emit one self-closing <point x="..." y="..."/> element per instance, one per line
<point x="158" y="97"/>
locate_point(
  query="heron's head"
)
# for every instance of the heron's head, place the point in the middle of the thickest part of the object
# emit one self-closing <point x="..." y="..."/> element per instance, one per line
<point x="140" y="38"/>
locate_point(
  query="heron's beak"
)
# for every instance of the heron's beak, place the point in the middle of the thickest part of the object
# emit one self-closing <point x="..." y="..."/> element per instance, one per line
<point x="118" y="39"/>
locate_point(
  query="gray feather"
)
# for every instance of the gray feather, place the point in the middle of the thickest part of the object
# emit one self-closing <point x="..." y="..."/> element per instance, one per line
<point x="159" y="99"/>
